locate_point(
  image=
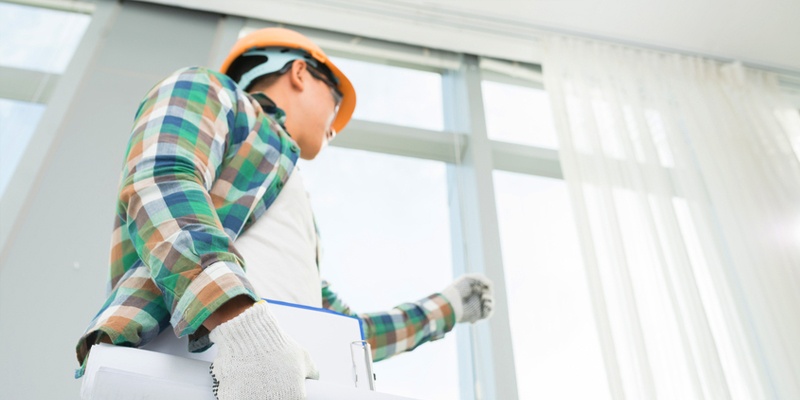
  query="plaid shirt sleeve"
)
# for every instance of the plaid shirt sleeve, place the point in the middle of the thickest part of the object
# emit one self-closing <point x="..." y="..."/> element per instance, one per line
<point x="177" y="147"/>
<point x="401" y="329"/>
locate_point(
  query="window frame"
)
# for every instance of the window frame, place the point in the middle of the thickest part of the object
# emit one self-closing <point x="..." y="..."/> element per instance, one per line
<point x="486" y="357"/>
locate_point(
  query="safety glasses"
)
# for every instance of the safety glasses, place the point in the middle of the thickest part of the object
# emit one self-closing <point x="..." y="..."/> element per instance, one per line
<point x="337" y="95"/>
<point x="337" y="98"/>
<point x="327" y="79"/>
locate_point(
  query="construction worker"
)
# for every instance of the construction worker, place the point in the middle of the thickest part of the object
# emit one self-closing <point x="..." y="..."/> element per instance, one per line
<point x="210" y="187"/>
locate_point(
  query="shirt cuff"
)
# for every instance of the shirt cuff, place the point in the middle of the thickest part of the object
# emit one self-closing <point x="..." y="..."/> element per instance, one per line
<point x="440" y="313"/>
<point x="213" y="287"/>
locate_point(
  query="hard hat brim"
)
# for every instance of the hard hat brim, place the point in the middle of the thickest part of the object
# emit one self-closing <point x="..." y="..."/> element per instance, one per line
<point x="348" y="105"/>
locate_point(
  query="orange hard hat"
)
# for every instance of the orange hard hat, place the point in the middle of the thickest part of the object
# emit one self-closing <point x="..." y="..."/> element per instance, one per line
<point x="282" y="37"/>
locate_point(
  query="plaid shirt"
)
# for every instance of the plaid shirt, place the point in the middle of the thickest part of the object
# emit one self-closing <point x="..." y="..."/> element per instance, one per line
<point x="204" y="161"/>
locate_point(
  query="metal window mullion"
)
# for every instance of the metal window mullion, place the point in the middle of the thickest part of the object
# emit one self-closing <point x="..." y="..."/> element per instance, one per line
<point x="398" y="140"/>
<point x="475" y="226"/>
<point x="465" y="343"/>
<point x="26" y="84"/>
<point x="526" y="160"/>
<point x="81" y="7"/>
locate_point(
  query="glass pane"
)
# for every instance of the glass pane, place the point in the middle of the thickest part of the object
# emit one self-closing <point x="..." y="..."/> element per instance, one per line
<point x="556" y="346"/>
<point x="518" y="114"/>
<point x="384" y="222"/>
<point x="39" y="39"/>
<point x="18" y="121"/>
<point x="395" y="95"/>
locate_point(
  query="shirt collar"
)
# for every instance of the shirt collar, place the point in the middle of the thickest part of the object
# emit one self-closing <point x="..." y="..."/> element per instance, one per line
<point x="270" y="108"/>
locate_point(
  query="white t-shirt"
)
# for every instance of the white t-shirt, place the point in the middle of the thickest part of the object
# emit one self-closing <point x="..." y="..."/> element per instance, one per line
<point x="280" y="248"/>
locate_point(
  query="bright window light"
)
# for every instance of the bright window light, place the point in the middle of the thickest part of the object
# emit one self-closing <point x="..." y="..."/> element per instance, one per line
<point x="18" y="121"/>
<point x="518" y="114"/>
<point x="384" y="222"/>
<point x="556" y="345"/>
<point x="395" y="95"/>
<point x="39" y="39"/>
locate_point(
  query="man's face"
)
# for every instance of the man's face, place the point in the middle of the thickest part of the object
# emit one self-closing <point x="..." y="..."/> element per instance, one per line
<point x="320" y="105"/>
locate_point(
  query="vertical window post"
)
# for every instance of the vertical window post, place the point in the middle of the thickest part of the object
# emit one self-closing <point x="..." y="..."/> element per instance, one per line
<point x="476" y="237"/>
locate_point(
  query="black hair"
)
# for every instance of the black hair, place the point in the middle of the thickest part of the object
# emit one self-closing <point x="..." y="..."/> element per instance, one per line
<point x="242" y="64"/>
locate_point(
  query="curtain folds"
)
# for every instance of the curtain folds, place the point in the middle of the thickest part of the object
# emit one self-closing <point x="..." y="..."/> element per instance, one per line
<point x="685" y="180"/>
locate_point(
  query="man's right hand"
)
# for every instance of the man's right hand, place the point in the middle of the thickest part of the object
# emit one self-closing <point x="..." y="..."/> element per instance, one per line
<point x="256" y="360"/>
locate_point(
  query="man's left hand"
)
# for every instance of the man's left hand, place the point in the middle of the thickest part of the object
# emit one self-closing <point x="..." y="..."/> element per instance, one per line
<point x="471" y="297"/>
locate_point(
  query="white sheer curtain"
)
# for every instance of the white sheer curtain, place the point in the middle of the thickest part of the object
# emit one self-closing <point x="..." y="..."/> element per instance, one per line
<point x="685" y="181"/>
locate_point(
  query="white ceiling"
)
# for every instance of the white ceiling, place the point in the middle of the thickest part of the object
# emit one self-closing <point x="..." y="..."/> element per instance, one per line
<point x="763" y="32"/>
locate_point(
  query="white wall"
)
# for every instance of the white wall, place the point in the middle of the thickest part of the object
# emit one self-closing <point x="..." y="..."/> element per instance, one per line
<point x="54" y="267"/>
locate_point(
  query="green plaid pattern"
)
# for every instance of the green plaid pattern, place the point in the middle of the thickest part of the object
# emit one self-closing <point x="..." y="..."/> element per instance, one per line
<point x="204" y="161"/>
<point x="401" y="329"/>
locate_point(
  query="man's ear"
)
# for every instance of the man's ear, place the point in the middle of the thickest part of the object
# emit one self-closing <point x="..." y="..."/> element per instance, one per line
<point x="297" y="77"/>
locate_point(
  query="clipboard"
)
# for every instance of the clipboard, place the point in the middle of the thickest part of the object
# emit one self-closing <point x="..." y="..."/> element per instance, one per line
<point x="325" y="334"/>
<point x="164" y="369"/>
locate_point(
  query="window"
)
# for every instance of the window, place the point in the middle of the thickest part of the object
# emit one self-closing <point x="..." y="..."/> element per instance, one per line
<point x="395" y="95"/>
<point x="39" y="39"/>
<point x="556" y="346"/>
<point x="518" y="114"/>
<point x="384" y="222"/>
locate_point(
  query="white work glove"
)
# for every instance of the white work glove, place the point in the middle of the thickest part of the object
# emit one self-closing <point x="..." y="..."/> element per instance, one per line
<point x="256" y="361"/>
<point x="471" y="297"/>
